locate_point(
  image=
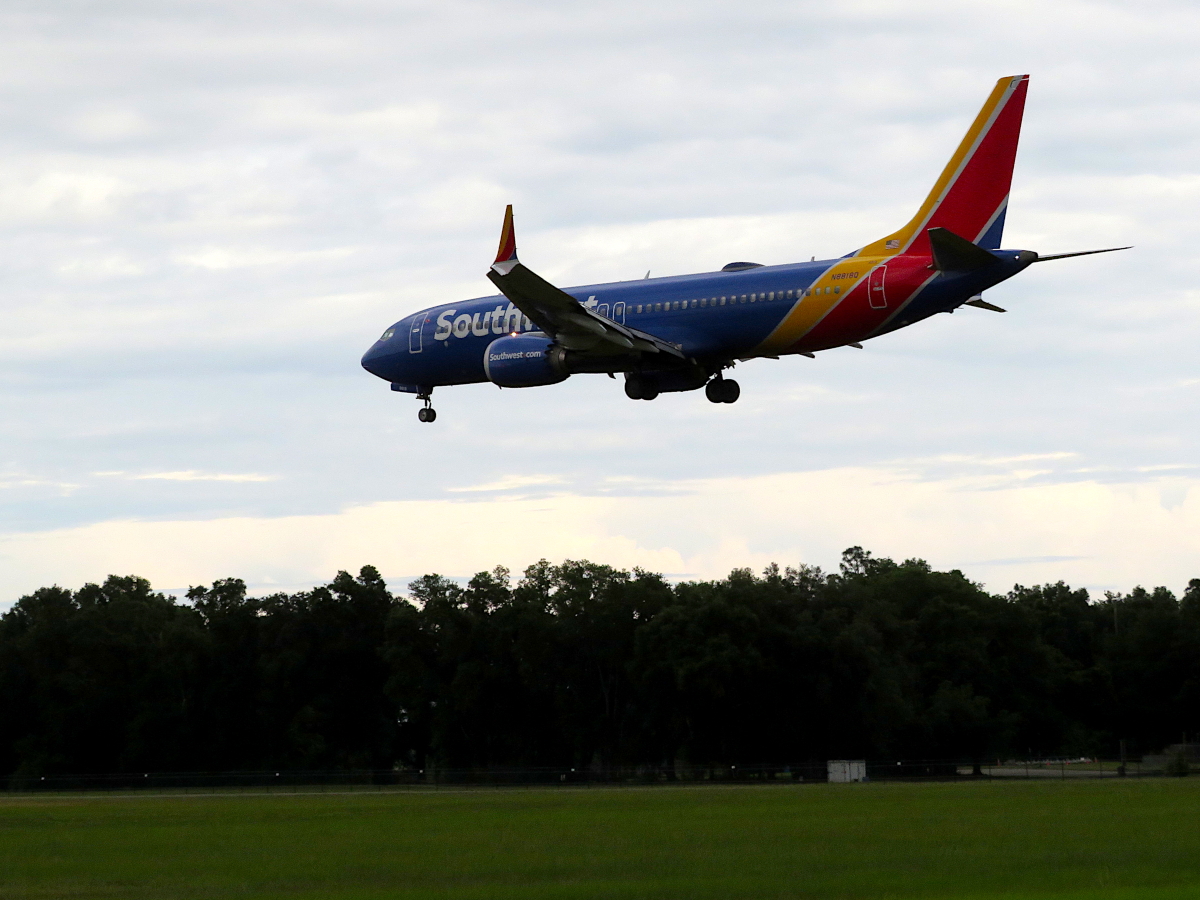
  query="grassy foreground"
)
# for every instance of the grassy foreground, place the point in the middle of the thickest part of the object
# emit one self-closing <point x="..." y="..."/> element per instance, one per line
<point x="1118" y="840"/>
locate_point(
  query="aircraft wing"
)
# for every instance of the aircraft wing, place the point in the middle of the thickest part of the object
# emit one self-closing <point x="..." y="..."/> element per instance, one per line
<point x="559" y="314"/>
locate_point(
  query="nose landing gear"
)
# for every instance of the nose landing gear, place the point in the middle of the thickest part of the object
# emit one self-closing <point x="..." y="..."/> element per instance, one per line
<point x="722" y="390"/>
<point x="427" y="413"/>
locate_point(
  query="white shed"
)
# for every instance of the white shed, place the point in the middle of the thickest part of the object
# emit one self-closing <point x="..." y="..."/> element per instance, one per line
<point x="846" y="770"/>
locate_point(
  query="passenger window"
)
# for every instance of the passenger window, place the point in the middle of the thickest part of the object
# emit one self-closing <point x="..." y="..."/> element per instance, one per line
<point x="827" y="289"/>
<point x="836" y="289"/>
<point x="722" y="301"/>
<point x="743" y="298"/>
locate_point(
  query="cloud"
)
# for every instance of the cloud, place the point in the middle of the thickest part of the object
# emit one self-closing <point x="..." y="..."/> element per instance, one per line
<point x="511" y="482"/>
<point x="199" y="244"/>
<point x="1102" y="535"/>
<point x="192" y="475"/>
<point x="242" y="257"/>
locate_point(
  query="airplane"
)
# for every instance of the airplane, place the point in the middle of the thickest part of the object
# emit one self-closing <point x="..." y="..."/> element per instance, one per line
<point x="681" y="333"/>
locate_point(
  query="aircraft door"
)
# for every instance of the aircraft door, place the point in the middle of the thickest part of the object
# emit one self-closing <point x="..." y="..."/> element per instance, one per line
<point x="875" y="288"/>
<point x="619" y="313"/>
<point x="415" y="327"/>
<point x="603" y="309"/>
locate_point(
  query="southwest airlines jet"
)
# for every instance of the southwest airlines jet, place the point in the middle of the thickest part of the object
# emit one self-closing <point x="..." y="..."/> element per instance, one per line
<point x="682" y="333"/>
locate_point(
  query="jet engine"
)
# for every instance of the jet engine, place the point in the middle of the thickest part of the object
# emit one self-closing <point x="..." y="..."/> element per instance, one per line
<point x="524" y="360"/>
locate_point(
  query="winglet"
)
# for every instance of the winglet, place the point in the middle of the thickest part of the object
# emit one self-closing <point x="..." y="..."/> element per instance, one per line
<point x="506" y="256"/>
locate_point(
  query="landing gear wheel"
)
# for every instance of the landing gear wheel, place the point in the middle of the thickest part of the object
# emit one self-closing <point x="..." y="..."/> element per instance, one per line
<point x="426" y="413"/>
<point x="722" y="390"/>
<point x="639" y="388"/>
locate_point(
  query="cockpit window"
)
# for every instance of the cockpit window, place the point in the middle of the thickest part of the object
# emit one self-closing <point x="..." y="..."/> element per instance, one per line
<point x="387" y="334"/>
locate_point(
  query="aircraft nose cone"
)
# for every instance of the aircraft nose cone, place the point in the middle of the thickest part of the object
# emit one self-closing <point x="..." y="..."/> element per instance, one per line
<point x="374" y="362"/>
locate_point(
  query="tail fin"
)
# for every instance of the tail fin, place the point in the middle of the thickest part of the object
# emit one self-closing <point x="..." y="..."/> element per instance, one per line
<point x="971" y="195"/>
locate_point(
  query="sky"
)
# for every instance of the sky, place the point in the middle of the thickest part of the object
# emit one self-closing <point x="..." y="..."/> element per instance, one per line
<point x="210" y="210"/>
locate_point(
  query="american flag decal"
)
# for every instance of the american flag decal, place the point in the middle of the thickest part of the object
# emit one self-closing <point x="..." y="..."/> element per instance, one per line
<point x="892" y="245"/>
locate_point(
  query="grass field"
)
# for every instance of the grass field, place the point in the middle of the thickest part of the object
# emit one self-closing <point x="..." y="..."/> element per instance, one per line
<point x="1069" y="840"/>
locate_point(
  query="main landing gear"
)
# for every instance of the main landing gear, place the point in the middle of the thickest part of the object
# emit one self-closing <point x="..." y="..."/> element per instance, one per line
<point x="639" y="388"/>
<point x="722" y="390"/>
<point x="427" y="413"/>
<point x="647" y="386"/>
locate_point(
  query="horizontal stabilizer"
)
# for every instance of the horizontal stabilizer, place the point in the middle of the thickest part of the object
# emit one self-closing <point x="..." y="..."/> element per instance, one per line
<point x="1079" y="253"/>
<point x="952" y="253"/>
<point x="980" y="303"/>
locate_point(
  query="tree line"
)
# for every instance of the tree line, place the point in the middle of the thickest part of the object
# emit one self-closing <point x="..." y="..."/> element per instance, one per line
<point x="584" y="665"/>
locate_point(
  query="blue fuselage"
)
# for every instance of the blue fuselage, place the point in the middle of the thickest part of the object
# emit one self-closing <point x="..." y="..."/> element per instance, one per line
<point x="711" y="317"/>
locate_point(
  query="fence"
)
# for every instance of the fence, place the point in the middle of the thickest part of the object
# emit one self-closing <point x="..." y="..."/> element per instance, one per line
<point x="285" y="781"/>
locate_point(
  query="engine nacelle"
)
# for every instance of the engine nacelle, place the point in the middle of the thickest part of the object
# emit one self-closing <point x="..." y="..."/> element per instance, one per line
<point x="524" y="360"/>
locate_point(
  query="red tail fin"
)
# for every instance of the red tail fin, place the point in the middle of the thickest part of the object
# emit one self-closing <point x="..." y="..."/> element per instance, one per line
<point x="971" y="195"/>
